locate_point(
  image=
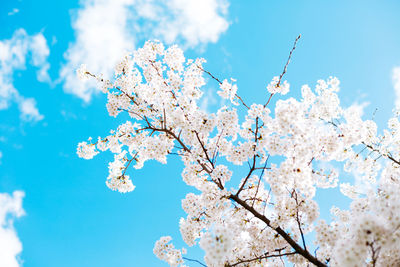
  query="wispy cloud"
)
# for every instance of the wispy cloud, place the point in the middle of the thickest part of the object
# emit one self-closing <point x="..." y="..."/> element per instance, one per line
<point x="13" y="12"/>
<point x="10" y="245"/>
<point x="13" y="56"/>
<point x="359" y="108"/>
<point x="208" y="100"/>
<point x="106" y="29"/>
<point x="189" y="22"/>
<point x="396" y="84"/>
<point x="29" y="112"/>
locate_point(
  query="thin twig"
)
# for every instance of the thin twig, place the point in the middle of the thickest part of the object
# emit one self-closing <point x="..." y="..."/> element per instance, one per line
<point x="261" y="258"/>
<point x="219" y="81"/>
<point x="284" y="68"/>
<point x="259" y="180"/>
<point x="288" y="60"/>
<point x="199" y="262"/>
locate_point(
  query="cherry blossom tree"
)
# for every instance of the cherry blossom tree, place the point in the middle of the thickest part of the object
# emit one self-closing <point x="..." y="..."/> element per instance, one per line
<point x="289" y="151"/>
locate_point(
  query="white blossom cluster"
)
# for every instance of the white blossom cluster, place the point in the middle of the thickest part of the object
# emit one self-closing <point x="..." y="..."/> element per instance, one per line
<point x="167" y="252"/>
<point x="288" y="152"/>
<point x="275" y="86"/>
<point x="228" y="91"/>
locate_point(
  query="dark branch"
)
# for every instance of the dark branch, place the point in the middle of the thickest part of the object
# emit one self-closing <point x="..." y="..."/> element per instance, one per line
<point x="280" y="231"/>
<point x="199" y="262"/>
<point x="261" y="258"/>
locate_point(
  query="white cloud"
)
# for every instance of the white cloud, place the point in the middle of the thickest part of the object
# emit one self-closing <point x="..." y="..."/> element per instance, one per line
<point x="13" y="55"/>
<point x="10" y="245"/>
<point x="208" y="100"/>
<point x="106" y="29"/>
<point x="13" y="12"/>
<point x="192" y="21"/>
<point x="101" y="39"/>
<point x="359" y="108"/>
<point x="40" y="52"/>
<point x="29" y="111"/>
<point x="396" y="84"/>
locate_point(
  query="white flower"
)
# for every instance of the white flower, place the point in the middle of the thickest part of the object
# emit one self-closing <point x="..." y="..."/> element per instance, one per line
<point x="121" y="183"/>
<point x="167" y="252"/>
<point x="82" y="72"/>
<point x="86" y="151"/>
<point x="281" y="88"/>
<point x="228" y="91"/>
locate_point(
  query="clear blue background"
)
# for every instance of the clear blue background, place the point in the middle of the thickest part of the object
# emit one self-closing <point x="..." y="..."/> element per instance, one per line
<point x="72" y="218"/>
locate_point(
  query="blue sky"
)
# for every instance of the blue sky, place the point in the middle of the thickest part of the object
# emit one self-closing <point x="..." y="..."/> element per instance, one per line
<point x="72" y="218"/>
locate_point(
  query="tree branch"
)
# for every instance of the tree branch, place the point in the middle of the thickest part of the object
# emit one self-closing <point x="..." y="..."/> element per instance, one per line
<point x="261" y="258"/>
<point x="280" y="232"/>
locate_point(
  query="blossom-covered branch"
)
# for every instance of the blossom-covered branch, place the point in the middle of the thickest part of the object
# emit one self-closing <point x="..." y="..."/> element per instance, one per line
<point x="264" y="217"/>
